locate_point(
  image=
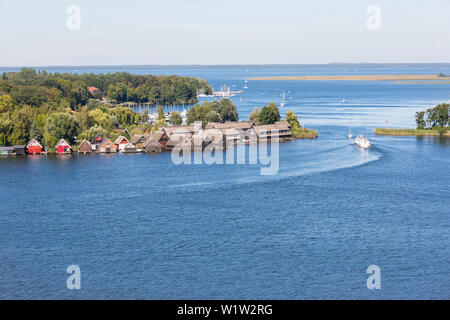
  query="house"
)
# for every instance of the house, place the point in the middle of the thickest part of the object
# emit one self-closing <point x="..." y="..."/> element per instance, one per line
<point x="62" y="147"/>
<point x="121" y="142"/>
<point x="85" y="147"/>
<point x="107" y="146"/>
<point x="285" y="130"/>
<point x="139" y="139"/>
<point x="177" y="133"/>
<point x="180" y="143"/>
<point x="128" y="148"/>
<point x="6" y="151"/>
<point x="162" y="137"/>
<point x="152" y="145"/>
<point x="96" y="142"/>
<point x="34" y="147"/>
<point x="19" y="150"/>
<point x="280" y="130"/>
<point x="221" y="138"/>
<point x="244" y="128"/>
<point x="95" y="92"/>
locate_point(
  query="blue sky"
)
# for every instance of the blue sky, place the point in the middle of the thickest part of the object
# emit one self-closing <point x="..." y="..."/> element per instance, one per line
<point x="113" y="32"/>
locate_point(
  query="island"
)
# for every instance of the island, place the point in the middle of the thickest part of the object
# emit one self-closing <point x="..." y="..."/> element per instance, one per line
<point x="432" y="122"/>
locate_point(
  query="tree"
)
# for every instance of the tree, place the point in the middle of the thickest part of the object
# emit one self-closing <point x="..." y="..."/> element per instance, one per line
<point x="6" y="128"/>
<point x="268" y="115"/>
<point x="274" y="107"/>
<point x="6" y="104"/>
<point x="420" y="120"/>
<point x="254" y="115"/>
<point x="61" y="125"/>
<point x="92" y="132"/>
<point x="292" y="118"/>
<point x="161" y="115"/>
<point x="35" y="133"/>
<point x="226" y="109"/>
<point x="175" y="118"/>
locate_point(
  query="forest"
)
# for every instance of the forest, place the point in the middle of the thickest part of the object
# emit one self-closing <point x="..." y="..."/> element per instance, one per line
<point x="50" y="106"/>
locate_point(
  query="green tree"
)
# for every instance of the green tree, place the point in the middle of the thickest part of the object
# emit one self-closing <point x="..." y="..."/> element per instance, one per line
<point x="226" y="109"/>
<point x="161" y="115"/>
<point x="292" y="118"/>
<point x="35" y="133"/>
<point x="6" y="129"/>
<point x="254" y="115"/>
<point x="175" y="118"/>
<point x="60" y="125"/>
<point x="268" y="115"/>
<point x="420" y="120"/>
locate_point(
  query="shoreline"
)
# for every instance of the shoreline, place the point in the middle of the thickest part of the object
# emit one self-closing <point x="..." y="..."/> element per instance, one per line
<point x="357" y="78"/>
<point x="409" y="132"/>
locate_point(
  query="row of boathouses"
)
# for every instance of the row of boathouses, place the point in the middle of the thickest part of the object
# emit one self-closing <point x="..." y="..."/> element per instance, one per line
<point x="217" y="135"/>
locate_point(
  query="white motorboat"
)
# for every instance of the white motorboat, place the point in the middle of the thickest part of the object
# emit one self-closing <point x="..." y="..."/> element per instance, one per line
<point x="362" y="142"/>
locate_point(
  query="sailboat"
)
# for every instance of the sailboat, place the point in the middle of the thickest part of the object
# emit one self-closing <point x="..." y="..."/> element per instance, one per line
<point x="283" y="101"/>
<point x="350" y="135"/>
<point x="245" y="85"/>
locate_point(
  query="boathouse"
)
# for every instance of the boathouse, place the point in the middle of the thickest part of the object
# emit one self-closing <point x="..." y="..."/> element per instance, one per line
<point x="19" y="150"/>
<point x="139" y="139"/>
<point x="107" y="146"/>
<point x="62" y="147"/>
<point x="129" y="148"/>
<point x="96" y="142"/>
<point x="85" y="147"/>
<point x="6" y="151"/>
<point x="152" y="145"/>
<point x="34" y="147"/>
<point x="161" y="137"/>
<point x="121" y="142"/>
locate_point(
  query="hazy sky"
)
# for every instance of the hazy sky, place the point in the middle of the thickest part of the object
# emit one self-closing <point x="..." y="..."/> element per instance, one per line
<point x="114" y="32"/>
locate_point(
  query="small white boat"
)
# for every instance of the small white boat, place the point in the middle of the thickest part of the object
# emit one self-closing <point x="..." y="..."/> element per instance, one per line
<point x="350" y="136"/>
<point x="362" y="142"/>
<point x="283" y="101"/>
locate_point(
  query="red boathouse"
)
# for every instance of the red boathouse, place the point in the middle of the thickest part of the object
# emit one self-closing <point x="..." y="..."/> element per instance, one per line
<point x="34" y="147"/>
<point x="63" y="147"/>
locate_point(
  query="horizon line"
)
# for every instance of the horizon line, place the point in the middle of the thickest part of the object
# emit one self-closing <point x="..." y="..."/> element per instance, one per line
<point x="220" y="65"/>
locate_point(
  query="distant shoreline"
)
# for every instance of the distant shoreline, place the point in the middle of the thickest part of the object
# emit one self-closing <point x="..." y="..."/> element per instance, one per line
<point x="359" y="78"/>
<point x="409" y="132"/>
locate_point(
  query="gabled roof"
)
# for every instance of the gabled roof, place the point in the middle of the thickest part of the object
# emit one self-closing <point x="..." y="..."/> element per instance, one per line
<point x="33" y="142"/>
<point x="62" y="142"/>
<point x="178" y="129"/>
<point x="96" y="137"/>
<point x="105" y="141"/>
<point x="135" y="139"/>
<point x="231" y="125"/>
<point x="151" y="141"/>
<point x="119" y="139"/>
<point x="84" y="142"/>
<point x="283" y="125"/>
<point x="158" y="134"/>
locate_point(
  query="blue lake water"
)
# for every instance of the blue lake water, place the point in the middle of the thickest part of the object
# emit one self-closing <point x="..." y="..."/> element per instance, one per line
<point x="140" y="226"/>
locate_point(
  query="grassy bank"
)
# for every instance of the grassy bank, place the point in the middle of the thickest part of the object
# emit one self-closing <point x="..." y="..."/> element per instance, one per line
<point x="304" y="133"/>
<point x="412" y="132"/>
